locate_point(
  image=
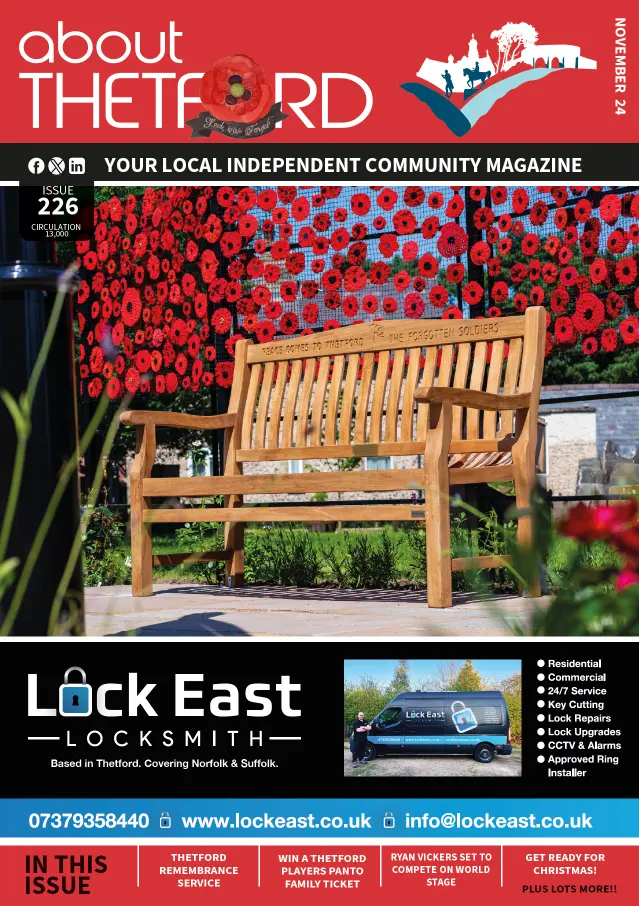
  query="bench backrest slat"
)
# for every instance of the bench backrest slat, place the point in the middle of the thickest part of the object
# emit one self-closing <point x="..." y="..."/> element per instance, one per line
<point x="354" y="386"/>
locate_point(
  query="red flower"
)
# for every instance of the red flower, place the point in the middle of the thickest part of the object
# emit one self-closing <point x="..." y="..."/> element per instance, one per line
<point x="428" y="266"/>
<point x="480" y="253"/>
<point x="610" y="208"/>
<point x="590" y="345"/>
<point x="310" y="313"/>
<point x="626" y="271"/>
<point x="452" y="312"/>
<point x="131" y="307"/>
<point x="520" y="200"/>
<point x="472" y="293"/>
<point x="224" y="373"/>
<point x="601" y="523"/>
<point x="559" y="299"/>
<point x="413" y="305"/>
<point x="629" y="329"/>
<point x="438" y="296"/>
<point x="453" y="241"/>
<point x="265" y="331"/>
<point x="289" y="322"/>
<point x="221" y="320"/>
<point x="609" y="339"/>
<point x="564" y="331"/>
<point x="387" y="199"/>
<point x="589" y="313"/>
<point x="414" y="196"/>
<point x="455" y="273"/>
<point x="236" y="89"/>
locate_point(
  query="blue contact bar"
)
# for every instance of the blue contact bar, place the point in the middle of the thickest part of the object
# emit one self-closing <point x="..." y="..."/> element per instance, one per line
<point x="305" y="818"/>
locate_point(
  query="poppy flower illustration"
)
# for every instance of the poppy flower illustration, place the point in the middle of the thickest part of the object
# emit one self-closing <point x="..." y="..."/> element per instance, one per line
<point x="494" y="267"/>
<point x="235" y="90"/>
<point x="453" y="241"/>
<point x="350" y="306"/>
<point x="289" y="322"/>
<point x="614" y="305"/>
<point x="413" y="305"/>
<point x="559" y="299"/>
<point x="414" y="196"/>
<point x="480" y="253"/>
<point x="428" y="266"/>
<point x="404" y="222"/>
<point x="629" y="329"/>
<point x="483" y="218"/>
<point x="455" y="206"/>
<point x="131" y="307"/>
<point x="455" y="273"/>
<point x="564" y="331"/>
<point x="224" y="373"/>
<point x="388" y="245"/>
<point x="221" y="320"/>
<point x="626" y="271"/>
<point x="478" y="193"/>
<point x="387" y="199"/>
<point x="472" y="293"/>
<point x="310" y="313"/>
<point x="617" y="242"/>
<point x="609" y="339"/>
<point x="610" y="208"/>
<point x="438" y="296"/>
<point x="589" y="313"/>
<point x="499" y="292"/>
<point x="430" y="226"/>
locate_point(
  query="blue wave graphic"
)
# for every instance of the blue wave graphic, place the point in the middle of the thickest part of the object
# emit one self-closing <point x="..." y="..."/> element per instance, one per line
<point x="461" y="121"/>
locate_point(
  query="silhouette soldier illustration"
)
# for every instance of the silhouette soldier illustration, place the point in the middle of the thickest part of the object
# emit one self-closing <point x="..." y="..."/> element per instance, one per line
<point x="449" y="83"/>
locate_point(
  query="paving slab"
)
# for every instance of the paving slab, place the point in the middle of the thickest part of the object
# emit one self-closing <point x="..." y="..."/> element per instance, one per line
<point x="262" y="610"/>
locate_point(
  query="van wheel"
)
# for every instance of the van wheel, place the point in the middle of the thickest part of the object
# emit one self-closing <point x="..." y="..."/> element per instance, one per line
<point x="484" y="753"/>
<point x="370" y="751"/>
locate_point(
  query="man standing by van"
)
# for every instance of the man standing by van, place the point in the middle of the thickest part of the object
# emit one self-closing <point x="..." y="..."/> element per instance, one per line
<point x="360" y="731"/>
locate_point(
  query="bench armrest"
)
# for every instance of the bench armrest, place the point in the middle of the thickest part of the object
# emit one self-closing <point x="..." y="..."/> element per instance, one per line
<point x="473" y="399"/>
<point x="177" y="419"/>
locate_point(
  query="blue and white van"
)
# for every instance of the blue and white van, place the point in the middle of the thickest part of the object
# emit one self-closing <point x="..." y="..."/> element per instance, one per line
<point x="442" y="723"/>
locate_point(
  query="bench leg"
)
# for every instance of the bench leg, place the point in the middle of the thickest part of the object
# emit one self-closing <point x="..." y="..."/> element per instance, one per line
<point x="524" y="467"/>
<point x="439" y="575"/>
<point x="141" y="553"/>
<point x="234" y="540"/>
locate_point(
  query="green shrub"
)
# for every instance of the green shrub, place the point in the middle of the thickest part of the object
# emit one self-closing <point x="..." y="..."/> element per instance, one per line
<point x="364" y="562"/>
<point x="104" y="562"/>
<point x="283" y="556"/>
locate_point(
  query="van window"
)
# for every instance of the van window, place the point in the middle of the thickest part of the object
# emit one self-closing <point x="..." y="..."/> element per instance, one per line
<point x="390" y="717"/>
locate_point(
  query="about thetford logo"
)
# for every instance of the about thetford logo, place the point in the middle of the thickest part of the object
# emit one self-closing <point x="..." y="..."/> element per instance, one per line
<point x="238" y="99"/>
<point x="479" y="82"/>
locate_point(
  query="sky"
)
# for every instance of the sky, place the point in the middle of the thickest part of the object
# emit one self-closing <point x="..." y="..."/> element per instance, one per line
<point x="382" y="670"/>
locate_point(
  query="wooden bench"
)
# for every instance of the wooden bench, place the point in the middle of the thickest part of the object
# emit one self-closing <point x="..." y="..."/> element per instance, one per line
<point x="442" y="389"/>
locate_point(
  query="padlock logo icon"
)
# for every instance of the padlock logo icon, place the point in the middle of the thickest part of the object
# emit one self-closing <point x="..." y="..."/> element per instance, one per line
<point x="464" y="718"/>
<point x="165" y="820"/>
<point x="76" y="699"/>
<point x="389" y="821"/>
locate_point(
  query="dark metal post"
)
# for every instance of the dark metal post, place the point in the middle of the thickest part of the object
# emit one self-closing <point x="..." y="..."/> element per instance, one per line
<point x="28" y="284"/>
